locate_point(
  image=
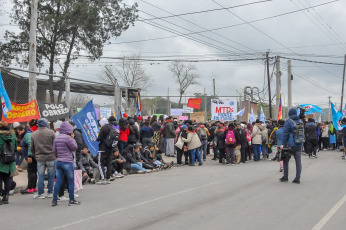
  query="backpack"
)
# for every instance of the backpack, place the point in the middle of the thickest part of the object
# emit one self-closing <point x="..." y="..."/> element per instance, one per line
<point x="230" y="138"/>
<point x="203" y="134"/>
<point x="112" y="138"/>
<point x="248" y="136"/>
<point x="298" y="132"/>
<point x="8" y="155"/>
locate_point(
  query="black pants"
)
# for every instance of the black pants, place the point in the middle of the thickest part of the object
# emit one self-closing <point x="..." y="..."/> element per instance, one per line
<point x="311" y="146"/>
<point x="244" y="151"/>
<point x="32" y="174"/>
<point x="6" y="178"/>
<point x="105" y="160"/>
<point x="147" y="166"/>
<point x="117" y="167"/>
<point x="249" y="153"/>
<point x="180" y="154"/>
<point x="325" y="141"/>
<point x="216" y="152"/>
<point x="63" y="186"/>
<point x="222" y="155"/>
<point x="230" y="156"/>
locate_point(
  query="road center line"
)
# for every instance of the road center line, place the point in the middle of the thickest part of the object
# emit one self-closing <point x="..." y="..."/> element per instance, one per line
<point x="133" y="206"/>
<point x="329" y="215"/>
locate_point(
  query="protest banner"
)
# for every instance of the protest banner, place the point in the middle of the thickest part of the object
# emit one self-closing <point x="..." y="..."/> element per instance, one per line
<point x="97" y="112"/>
<point x="176" y="112"/>
<point x="187" y="109"/>
<point x="105" y="112"/>
<point x="86" y="121"/>
<point x="194" y="103"/>
<point x="183" y="118"/>
<point x="198" y="117"/>
<point x="22" y="112"/>
<point x="53" y="112"/>
<point x="223" y="109"/>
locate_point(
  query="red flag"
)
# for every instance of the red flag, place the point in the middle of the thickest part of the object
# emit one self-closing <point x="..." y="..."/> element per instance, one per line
<point x="280" y="110"/>
<point x="194" y="103"/>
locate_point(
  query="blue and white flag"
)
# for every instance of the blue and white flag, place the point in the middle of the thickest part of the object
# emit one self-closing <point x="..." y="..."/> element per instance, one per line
<point x="310" y="108"/>
<point x="344" y="111"/>
<point x="336" y="117"/>
<point x="241" y="112"/>
<point x="119" y="114"/>
<point x="262" y="116"/>
<point x="86" y="121"/>
<point x="320" y="120"/>
<point x="252" y="116"/>
<point x="5" y="100"/>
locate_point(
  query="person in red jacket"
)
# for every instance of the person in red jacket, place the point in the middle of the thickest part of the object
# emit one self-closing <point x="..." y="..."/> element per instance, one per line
<point x="124" y="135"/>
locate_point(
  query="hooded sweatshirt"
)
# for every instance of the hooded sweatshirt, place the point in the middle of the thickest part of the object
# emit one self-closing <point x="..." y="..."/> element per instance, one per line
<point x="64" y="145"/>
<point x="7" y="135"/>
<point x="42" y="142"/>
<point x="289" y="129"/>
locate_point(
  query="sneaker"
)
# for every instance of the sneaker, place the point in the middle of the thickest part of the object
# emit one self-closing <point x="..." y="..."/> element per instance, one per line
<point x="50" y="195"/>
<point x="191" y="164"/>
<point x="63" y="198"/>
<point x="281" y="169"/>
<point x="119" y="175"/>
<point x="101" y="182"/>
<point x="27" y="191"/>
<point x="200" y="164"/>
<point x="141" y="172"/>
<point x="315" y="156"/>
<point x="148" y="171"/>
<point x="54" y="203"/>
<point x="35" y="189"/>
<point x="92" y="181"/>
<point x="11" y="192"/>
<point x="19" y="168"/>
<point x="112" y="178"/>
<point x="76" y="195"/>
<point x="42" y="196"/>
<point x="73" y="203"/>
<point x="283" y="179"/>
<point x="295" y="181"/>
<point x="108" y="181"/>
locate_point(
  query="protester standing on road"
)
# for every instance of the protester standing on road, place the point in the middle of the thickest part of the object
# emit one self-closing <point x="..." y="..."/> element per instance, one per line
<point x="156" y="127"/>
<point x="325" y="135"/>
<point x="230" y="147"/>
<point x="42" y="149"/>
<point x="146" y="134"/>
<point x="7" y="138"/>
<point x="311" y="133"/>
<point x="63" y="148"/>
<point x="203" y="133"/>
<point x="193" y="145"/>
<point x="124" y="135"/>
<point x="169" y="135"/>
<point x="257" y="140"/>
<point x="292" y="138"/>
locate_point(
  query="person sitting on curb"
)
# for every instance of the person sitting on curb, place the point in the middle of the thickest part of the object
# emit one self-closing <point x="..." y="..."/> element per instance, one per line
<point x="118" y="163"/>
<point x="132" y="163"/>
<point x="88" y="166"/>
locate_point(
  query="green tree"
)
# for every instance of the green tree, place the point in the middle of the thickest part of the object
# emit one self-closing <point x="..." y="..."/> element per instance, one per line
<point x="66" y="29"/>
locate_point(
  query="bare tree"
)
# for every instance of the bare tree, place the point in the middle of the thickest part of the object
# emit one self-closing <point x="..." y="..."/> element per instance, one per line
<point x="184" y="75"/>
<point x="79" y="100"/>
<point x="130" y="71"/>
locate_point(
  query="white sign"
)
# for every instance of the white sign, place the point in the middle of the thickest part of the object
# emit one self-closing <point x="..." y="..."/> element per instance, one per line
<point x="187" y="109"/>
<point x="223" y="110"/>
<point x="176" y="112"/>
<point x="105" y="112"/>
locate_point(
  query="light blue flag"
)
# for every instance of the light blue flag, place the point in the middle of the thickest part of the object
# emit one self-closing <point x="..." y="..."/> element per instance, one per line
<point x="262" y="116"/>
<point x="310" y="108"/>
<point x="5" y="100"/>
<point x="336" y="117"/>
<point x="86" y="121"/>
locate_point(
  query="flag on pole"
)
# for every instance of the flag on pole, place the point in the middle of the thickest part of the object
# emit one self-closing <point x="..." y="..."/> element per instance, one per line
<point x="252" y="116"/>
<point x="310" y="108"/>
<point x="138" y="105"/>
<point x="5" y="100"/>
<point x="336" y="117"/>
<point x="240" y="113"/>
<point x="280" y="110"/>
<point x="262" y="116"/>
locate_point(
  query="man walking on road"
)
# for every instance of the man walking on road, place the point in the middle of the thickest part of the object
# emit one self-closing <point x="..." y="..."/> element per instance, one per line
<point x="42" y="149"/>
<point x="293" y="136"/>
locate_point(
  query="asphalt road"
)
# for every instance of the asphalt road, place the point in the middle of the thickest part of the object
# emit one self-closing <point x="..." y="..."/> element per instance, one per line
<point x="246" y="196"/>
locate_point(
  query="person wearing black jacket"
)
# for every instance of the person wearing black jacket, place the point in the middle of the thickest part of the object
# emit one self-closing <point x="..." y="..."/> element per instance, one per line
<point x="79" y="139"/>
<point x="132" y="163"/>
<point x="180" y="152"/>
<point x="220" y="143"/>
<point x="243" y="142"/>
<point x="212" y="139"/>
<point x="133" y="132"/>
<point x="311" y="134"/>
<point x="230" y="156"/>
<point x="105" y="153"/>
<point x="88" y="166"/>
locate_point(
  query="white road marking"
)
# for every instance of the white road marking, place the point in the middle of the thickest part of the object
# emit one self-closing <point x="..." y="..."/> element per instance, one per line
<point x="329" y="215"/>
<point x="132" y="206"/>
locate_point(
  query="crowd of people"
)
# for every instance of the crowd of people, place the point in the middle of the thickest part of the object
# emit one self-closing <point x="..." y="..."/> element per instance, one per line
<point x="139" y="146"/>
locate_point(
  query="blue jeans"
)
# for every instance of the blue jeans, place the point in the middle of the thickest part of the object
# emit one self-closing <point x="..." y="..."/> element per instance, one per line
<point x="204" y="148"/>
<point x="63" y="168"/>
<point x="121" y="146"/>
<point x="22" y="157"/>
<point x="256" y="152"/>
<point x="137" y="166"/>
<point x="41" y="168"/>
<point x="194" y="153"/>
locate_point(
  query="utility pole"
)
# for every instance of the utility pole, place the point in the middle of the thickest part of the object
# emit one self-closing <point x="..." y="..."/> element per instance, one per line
<point x="168" y="104"/>
<point x="32" y="51"/>
<point x="343" y="84"/>
<point x="289" y="85"/>
<point x="278" y="85"/>
<point x="214" y="87"/>
<point x="329" y="111"/>
<point x="270" y="94"/>
<point x="205" y="106"/>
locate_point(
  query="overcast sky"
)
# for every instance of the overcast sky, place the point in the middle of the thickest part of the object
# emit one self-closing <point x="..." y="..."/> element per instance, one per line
<point x="305" y="34"/>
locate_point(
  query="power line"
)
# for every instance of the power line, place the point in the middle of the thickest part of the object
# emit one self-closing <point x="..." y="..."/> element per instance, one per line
<point x="319" y="62"/>
<point x="203" y="11"/>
